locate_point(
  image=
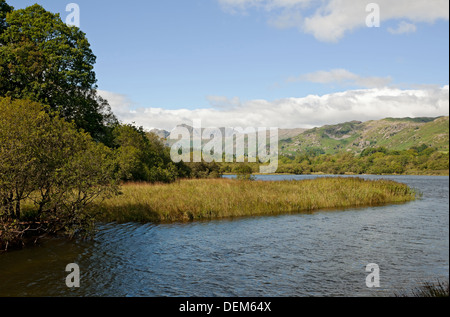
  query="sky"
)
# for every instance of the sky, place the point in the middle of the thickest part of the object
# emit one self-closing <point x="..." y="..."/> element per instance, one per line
<point x="266" y="63"/>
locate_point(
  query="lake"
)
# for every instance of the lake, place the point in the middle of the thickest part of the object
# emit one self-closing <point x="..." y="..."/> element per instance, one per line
<point x="324" y="253"/>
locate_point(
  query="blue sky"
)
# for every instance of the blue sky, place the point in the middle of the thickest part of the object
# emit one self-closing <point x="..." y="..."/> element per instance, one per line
<point x="215" y="54"/>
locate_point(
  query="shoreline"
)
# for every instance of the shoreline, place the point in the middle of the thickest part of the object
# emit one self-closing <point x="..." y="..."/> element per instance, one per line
<point x="447" y="173"/>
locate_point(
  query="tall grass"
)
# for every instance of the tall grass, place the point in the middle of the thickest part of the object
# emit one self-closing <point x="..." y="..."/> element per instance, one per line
<point x="428" y="289"/>
<point x="197" y="199"/>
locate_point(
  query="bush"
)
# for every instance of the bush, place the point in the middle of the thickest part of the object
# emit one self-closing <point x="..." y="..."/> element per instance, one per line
<point x="56" y="169"/>
<point x="142" y="156"/>
<point x="204" y="170"/>
<point x="244" y="172"/>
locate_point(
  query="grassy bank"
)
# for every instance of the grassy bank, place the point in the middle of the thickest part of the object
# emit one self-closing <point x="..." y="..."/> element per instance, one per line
<point x="198" y="199"/>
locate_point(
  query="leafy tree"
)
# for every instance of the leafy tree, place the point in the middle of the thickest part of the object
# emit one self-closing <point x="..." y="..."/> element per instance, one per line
<point x="377" y="160"/>
<point x="204" y="170"/>
<point x="47" y="61"/>
<point x="370" y="151"/>
<point x="4" y="9"/>
<point x="142" y="156"/>
<point x="133" y="152"/>
<point x="420" y="148"/>
<point x="17" y="149"/>
<point x="244" y="172"/>
<point x="314" y="151"/>
<point x="46" y="161"/>
<point x="438" y="161"/>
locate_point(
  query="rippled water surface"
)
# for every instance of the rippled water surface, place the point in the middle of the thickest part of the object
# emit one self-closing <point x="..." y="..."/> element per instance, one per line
<point x="318" y="254"/>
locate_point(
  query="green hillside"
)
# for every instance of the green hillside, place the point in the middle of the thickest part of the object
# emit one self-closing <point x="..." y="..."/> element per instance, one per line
<point x="355" y="136"/>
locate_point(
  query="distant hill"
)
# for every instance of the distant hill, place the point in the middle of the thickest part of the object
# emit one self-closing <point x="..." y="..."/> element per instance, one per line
<point x="163" y="134"/>
<point x="355" y="136"/>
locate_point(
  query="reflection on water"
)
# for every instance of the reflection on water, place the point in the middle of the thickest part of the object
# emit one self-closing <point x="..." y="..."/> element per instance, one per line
<point x="318" y="254"/>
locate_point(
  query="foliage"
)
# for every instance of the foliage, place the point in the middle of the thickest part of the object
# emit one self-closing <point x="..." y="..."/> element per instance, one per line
<point x="4" y="10"/>
<point x="46" y="161"/>
<point x="244" y="172"/>
<point x="204" y="170"/>
<point x="391" y="133"/>
<point x="420" y="159"/>
<point x="370" y="151"/>
<point x="142" y="156"/>
<point x="44" y="60"/>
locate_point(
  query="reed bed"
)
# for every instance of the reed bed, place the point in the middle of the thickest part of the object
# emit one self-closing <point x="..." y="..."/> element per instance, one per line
<point x="198" y="199"/>
<point x="427" y="289"/>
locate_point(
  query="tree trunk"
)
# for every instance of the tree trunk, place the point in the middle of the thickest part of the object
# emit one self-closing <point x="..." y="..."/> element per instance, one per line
<point x="9" y="205"/>
<point x="18" y="209"/>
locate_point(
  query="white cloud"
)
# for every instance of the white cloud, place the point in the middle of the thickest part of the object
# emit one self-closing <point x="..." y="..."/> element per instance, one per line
<point x="120" y="104"/>
<point x="306" y="112"/>
<point x="403" y="27"/>
<point x="343" y="77"/>
<point x="223" y="102"/>
<point x="330" y="20"/>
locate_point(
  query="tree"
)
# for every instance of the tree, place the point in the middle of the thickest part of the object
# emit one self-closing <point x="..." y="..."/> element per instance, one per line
<point x="204" y="169"/>
<point x="142" y="156"/>
<point x="17" y="161"/>
<point x="244" y="172"/>
<point x="132" y="152"/>
<point x="4" y="9"/>
<point x="46" y="161"/>
<point x="47" y="61"/>
<point x="370" y="151"/>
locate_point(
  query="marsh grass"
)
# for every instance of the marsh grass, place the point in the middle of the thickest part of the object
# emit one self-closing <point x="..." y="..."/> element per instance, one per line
<point x="198" y="199"/>
<point x="428" y="289"/>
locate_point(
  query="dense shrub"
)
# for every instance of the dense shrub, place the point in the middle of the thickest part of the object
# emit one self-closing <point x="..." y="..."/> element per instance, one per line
<point x="55" y="169"/>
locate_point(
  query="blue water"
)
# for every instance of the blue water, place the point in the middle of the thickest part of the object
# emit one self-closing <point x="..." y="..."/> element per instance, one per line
<point x="324" y="253"/>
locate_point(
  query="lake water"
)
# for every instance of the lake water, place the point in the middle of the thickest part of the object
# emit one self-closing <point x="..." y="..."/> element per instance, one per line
<point x="324" y="253"/>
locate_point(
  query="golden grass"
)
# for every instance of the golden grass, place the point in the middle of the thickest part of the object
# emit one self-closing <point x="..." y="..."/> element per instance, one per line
<point x="197" y="199"/>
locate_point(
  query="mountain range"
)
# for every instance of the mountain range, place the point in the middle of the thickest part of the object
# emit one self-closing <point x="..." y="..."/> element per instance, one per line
<point x="355" y="136"/>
